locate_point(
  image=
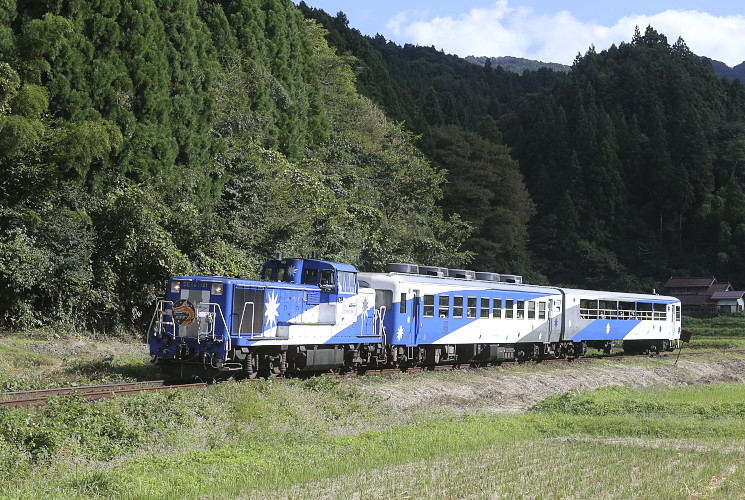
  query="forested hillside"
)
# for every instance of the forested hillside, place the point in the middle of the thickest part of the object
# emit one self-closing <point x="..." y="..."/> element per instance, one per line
<point x="147" y="138"/>
<point x="633" y="160"/>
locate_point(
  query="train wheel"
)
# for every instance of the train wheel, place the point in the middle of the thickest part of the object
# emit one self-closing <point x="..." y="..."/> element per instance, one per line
<point x="251" y="365"/>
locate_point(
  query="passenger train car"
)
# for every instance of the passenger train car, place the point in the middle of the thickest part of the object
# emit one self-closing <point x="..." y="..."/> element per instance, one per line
<point x="310" y="315"/>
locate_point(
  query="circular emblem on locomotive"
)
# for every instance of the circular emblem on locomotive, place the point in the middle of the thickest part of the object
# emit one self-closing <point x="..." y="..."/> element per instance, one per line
<point x="183" y="312"/>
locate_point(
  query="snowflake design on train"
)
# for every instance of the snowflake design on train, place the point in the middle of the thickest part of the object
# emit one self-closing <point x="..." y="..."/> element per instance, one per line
<point x="400" y="333"/>
<point x="272" y="310"/>
<point x="607" y="329"/>
<point x="291" y="270"/>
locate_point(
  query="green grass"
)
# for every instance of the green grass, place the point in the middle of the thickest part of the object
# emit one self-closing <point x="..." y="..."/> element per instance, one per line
<point x="39" y="362"/>
<point x="326" y="437"/>
<point x="329" y="438"/>
<point x="718" y="326"/>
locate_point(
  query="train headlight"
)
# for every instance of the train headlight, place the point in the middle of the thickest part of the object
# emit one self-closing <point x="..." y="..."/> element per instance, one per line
<point x="217" y="288"/>
<point x="176" y="286"/>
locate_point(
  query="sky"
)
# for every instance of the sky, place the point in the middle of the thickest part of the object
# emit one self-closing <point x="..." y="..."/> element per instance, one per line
<point x="545" y="30"/>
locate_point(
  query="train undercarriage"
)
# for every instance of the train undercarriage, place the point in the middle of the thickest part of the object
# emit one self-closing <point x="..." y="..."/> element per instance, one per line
<point x="269" y="361"/>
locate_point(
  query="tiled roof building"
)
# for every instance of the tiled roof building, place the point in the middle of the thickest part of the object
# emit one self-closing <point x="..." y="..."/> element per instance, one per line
<point x="699" y="294"/>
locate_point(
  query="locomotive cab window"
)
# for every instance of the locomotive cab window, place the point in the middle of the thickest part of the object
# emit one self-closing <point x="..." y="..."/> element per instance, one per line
<point x="347" y="282"/>
<point x="327" y="280"/>
<point x="310" y="276"/>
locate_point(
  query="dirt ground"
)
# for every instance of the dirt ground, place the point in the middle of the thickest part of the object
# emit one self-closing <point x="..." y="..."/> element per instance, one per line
<point x="515" y="389"/>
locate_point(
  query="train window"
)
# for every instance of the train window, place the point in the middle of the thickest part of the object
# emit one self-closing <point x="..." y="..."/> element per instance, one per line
<point x="457" y="307"/>
<point x="347" y="282"/>
<point x="531" y="309"/>
<point x="384" y="298"/>
<point x="327" y="277"/>
<point x="310" y="276"/>
<point x="677" y="313"/>
<point x="627" y="310"/>
<point x="541" y="310"/>
<point x="444" y="311"/>
<point x="509" y="311"/>
<point x="608" y="309"/>
<point x="588" y="309"/>
<point x="484" y="307"/>
<point x="644" y="310"/>
<point x="429" y="306"/>
<point x="660" y="311"/>
<point x="520" y="309"/>
<point x="282" y="274"/>
<point x="471" y="307"/>
<point x="497" y="309"/>
<point x="402" y="307"/>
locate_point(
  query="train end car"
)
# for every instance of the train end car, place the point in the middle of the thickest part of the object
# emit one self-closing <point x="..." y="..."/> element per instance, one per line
<point x="644" y="323"/>
<point x="304" y="315"/>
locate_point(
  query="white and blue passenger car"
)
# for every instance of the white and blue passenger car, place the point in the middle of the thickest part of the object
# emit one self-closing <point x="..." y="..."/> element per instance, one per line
<point x="310" y="315"/>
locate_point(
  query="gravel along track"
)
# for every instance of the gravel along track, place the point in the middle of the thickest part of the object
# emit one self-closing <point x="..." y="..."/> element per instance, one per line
<point x="514" y="390"/>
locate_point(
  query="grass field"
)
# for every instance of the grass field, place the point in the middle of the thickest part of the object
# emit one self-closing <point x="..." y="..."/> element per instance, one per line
<point x="360" y="438"/>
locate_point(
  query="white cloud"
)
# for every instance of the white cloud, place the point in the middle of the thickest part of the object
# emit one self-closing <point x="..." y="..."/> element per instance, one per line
<point x="501" y="30"/>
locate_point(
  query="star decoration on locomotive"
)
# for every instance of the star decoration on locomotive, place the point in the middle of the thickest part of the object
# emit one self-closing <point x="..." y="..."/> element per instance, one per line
<point x="291" y="271"/>
<point x="272" y="310"/>
<point x="400" y="333"/>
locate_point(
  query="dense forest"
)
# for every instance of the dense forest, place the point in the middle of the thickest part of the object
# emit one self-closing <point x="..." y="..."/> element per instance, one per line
<point x="147" y="138"/>
<point x="633" y="160"/>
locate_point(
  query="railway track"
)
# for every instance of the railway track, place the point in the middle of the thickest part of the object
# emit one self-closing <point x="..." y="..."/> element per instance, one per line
<point x="94" y="392"/>
<point x="90" y="392"/>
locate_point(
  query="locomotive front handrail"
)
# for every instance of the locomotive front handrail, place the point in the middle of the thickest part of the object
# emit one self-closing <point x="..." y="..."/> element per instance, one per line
<point x="160" y="312"/>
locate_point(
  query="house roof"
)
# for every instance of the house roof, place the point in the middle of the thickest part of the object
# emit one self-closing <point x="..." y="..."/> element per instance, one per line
<point x="690" y="282"/>
<point x="720" y="287"/>
<point x="730" y="294"/>
<point x="693" y="300"/>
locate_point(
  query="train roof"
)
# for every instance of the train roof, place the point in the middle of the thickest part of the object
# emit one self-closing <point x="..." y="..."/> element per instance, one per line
<point x="501" y="285"/>
<point x="460" y="282"/>
<point x="621" y="295"/>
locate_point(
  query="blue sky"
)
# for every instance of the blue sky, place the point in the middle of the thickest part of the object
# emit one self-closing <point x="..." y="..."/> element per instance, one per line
<point x="546" y="30"/>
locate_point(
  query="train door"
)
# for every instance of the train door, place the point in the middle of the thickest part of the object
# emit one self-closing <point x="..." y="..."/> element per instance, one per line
<point x="329" y="297"/>
<point x="416" y="315"/>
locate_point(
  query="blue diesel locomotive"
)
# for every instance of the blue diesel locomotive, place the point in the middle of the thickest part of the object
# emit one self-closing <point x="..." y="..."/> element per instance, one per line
<point x="311" y="315"/>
